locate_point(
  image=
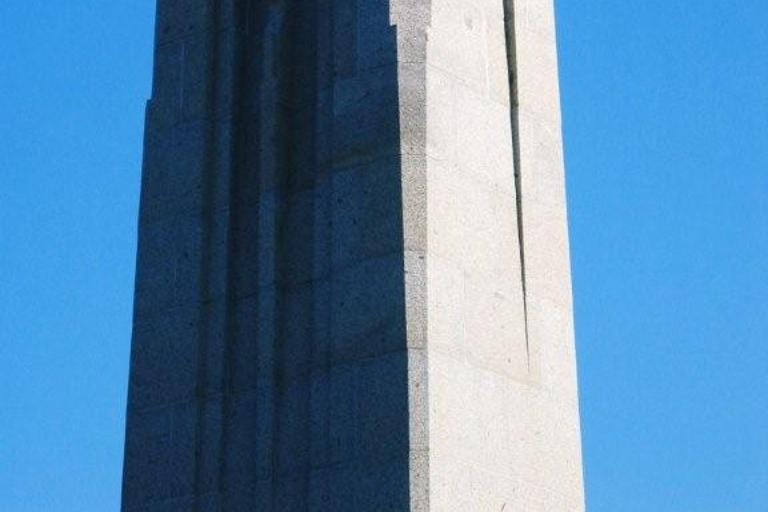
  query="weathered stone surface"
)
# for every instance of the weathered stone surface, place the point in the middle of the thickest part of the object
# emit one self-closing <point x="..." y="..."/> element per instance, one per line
<point x="353" y="286"/>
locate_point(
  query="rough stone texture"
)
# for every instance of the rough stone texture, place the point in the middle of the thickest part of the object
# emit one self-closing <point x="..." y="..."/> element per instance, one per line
<point x="353" y="287"/>
<point x="503" y="413"/>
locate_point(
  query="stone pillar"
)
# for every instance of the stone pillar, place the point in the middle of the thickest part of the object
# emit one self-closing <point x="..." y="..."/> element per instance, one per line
<point x="353" y="287"/>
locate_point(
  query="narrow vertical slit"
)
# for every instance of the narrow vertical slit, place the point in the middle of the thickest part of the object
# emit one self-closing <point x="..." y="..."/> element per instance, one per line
<point x="514" y="105"/>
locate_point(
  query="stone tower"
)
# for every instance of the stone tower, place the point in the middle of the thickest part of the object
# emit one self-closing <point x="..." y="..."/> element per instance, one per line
<point x="353" y="287"/>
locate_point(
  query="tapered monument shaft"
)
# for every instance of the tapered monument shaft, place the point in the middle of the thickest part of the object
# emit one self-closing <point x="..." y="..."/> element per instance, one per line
<point x="353" y="283"/>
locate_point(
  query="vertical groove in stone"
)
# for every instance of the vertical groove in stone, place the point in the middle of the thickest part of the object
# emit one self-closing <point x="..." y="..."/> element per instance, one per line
<point x="274" y="15"/>
<point x="295" y="320"/>
<point x="280" y="247"/>
<point x="206" y="250"/>
<point x="237" y="158"/>
<point x="510" y="33"/>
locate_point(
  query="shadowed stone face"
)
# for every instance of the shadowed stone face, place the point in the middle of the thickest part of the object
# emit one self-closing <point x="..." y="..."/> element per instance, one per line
<point x="352" y="285"/>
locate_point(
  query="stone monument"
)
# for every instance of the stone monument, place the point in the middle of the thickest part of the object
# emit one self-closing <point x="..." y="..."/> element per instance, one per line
<point x="353" y="285"/>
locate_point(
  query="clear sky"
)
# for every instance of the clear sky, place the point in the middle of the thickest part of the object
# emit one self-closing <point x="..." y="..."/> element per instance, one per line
<point x="665" y="106"/>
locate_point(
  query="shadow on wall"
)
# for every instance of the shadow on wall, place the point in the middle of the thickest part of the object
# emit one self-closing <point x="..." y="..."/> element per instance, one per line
<point x="269" y="365"/>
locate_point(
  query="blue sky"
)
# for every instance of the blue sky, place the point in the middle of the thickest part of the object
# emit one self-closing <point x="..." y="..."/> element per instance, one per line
<point x="665" y="108"/>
